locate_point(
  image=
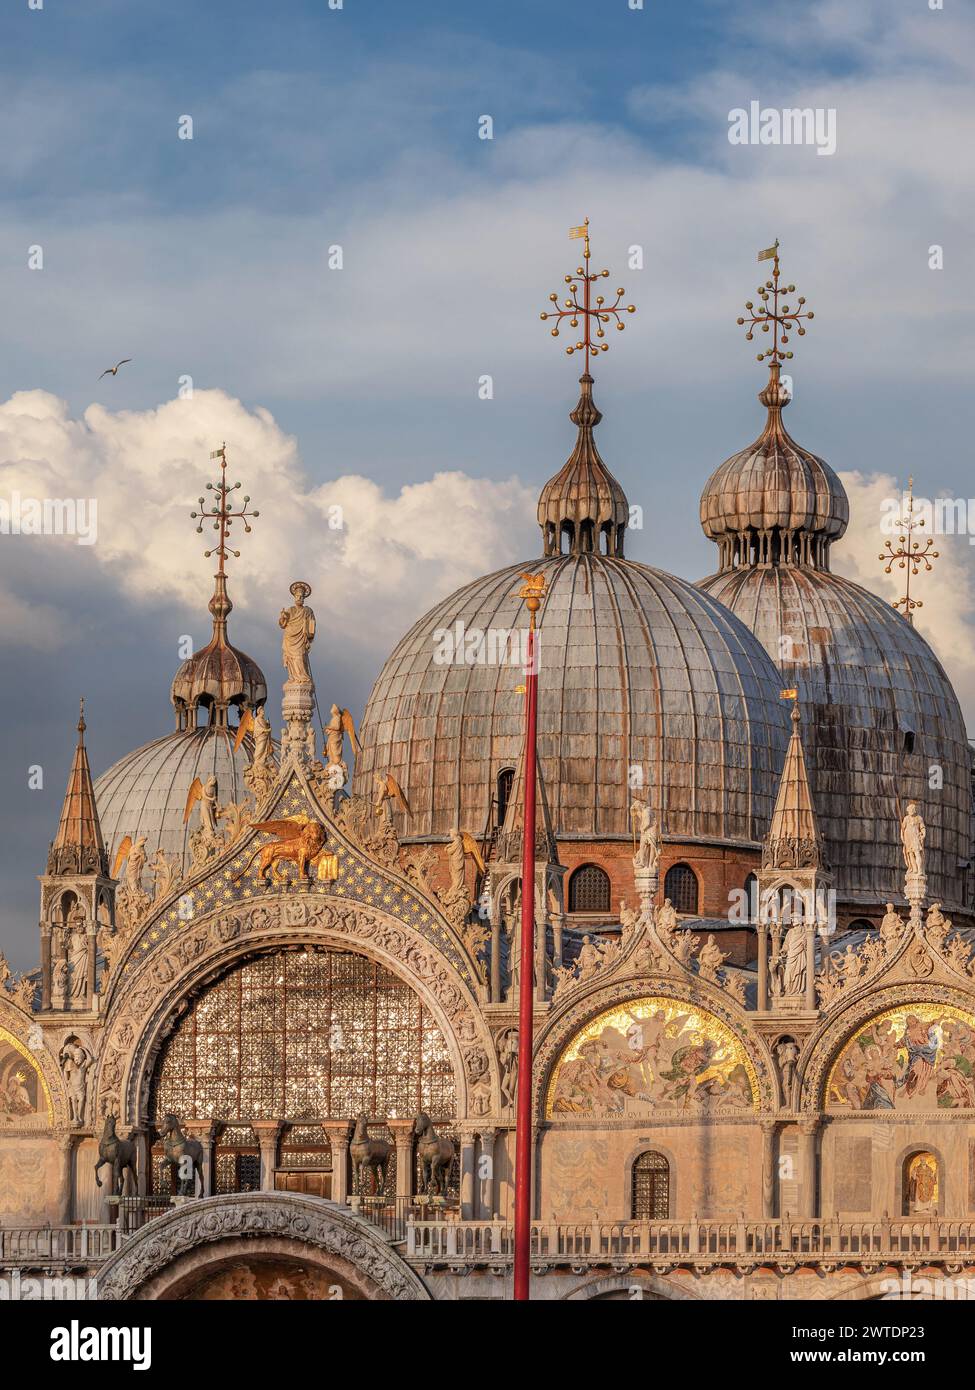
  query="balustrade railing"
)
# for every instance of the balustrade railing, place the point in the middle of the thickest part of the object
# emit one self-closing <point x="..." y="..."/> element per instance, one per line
<point x="593" y="1242"/>
<point x="57" y="1246"/>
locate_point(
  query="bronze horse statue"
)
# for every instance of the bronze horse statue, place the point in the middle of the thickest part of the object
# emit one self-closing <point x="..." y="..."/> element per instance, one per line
<point x="120" y="1153"/>
<point x="184" y="1156"/>
<point x="370" y="1154"/>
<point x="435" y="1155"/>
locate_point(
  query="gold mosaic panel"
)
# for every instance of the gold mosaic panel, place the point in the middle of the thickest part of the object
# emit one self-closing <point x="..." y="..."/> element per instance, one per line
<point x="914" y="1057"/>
<point x="652" y="1056"/>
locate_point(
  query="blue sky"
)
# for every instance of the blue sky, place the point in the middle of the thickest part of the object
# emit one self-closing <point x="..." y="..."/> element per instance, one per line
<point x="312" y="127"/>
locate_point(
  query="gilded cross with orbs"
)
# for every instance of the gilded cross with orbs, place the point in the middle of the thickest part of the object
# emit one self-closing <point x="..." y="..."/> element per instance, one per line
<point x="221" y="513"/>
<point x="910" y="555"/>
<point x="593" y="311"/>
<point x="775" y="316"/>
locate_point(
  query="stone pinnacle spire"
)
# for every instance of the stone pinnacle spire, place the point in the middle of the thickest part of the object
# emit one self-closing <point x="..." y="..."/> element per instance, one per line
<point x="78" y="846"/>
<point x="793" y="839"/>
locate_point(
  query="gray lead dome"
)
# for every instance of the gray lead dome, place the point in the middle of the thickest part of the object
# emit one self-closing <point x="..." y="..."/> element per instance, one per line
<point x="638" y="668"/>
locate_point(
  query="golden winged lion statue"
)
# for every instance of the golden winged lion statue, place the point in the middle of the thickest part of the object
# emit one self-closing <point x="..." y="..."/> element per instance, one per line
<point x="300" y="841"/>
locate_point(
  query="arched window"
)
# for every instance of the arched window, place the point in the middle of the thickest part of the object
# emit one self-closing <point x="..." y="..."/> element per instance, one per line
<point x="921" y="1185"/>
<point x="680" y="886"/>
<point x="651" y="1187"/>
<point x="860" y="924"/>
<point x="506" y="780"/>
<point x="589" y="889"/>
<point x="304" y="1036"/>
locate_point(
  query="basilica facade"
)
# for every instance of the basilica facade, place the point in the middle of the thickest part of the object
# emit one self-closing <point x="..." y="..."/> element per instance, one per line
<point x="271" y="1048"/>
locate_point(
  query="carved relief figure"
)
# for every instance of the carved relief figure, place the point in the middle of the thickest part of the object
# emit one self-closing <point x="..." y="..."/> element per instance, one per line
<point x="891" y="928"/>
<point x="77" y="959"/>
<point x="508" y="1066"/>
<point x="75" y="1060"/>
<point x="710" y="960"/>
<point x="794" y="959"/>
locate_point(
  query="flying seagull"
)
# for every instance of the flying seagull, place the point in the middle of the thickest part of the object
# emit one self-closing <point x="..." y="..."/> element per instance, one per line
<point x="114" y="370"/>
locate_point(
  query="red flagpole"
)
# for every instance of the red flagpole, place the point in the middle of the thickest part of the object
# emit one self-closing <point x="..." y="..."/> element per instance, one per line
<point x="523" y="1122"/>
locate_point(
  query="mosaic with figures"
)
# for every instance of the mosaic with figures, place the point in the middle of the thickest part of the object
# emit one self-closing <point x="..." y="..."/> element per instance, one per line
<point x="650" y="1057"/>
<point x="915" y="1057"/>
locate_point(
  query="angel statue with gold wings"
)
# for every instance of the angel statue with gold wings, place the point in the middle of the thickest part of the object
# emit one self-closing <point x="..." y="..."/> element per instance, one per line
<point x="387" y="790"/>
<point x="206" y="794"/>
<point x="340" y="723"/>
<point x="460" y="846"/>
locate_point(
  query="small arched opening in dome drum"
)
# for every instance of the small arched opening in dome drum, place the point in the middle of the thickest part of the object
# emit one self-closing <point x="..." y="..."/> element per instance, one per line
<point x="860" y="924"/>
<point x="505" y="783"/>
<point x="751" y="897"/>
<point x="682" y="888"/>
<point x="589" y="889"/>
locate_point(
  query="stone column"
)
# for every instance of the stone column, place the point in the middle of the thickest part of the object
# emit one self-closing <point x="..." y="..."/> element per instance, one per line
<point x="810" y="1003"/>
<point x="496" y="960"/>
<point x="92" y="947"/>
<point x="541" y="942"/>
<point x="646" y="882"/>
<point x="808" y="1165"/>
<point x="402" y="1131"/>
<point x="769" y="1128"/>
<point x="486" y="1201"/>
<point x="204" y="1131"/>
<point x="45" y="965"/>
<point x="65" y="1170"/>
<point x="338" y="1138"/>
<point x="267" y="1136"/>
<point x="762" y="932"/>
<point x="467" y="1139"/>
<point x="141" y="1141"/>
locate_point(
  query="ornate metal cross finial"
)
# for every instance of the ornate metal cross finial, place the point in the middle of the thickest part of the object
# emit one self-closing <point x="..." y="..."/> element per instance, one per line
<point x="220" y="513"/>
<point x="773" y="315"/>
<point x="592" y="314"/>
<point x="910" y="555"/>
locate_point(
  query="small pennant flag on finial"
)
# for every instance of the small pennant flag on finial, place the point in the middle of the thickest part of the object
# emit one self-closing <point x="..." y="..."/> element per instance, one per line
<point x="788" y="694"/>
<point x="769" y="252"/>
<point x="576" y="232"/>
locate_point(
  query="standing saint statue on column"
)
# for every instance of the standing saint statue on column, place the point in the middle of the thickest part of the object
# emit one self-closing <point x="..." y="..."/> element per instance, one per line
<point x="298" y="623"/>
<point x="647" y="855"/>
<point x="912" y="838"/>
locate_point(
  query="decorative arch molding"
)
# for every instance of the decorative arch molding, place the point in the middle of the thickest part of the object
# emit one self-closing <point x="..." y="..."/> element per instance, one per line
<point x="557" y="1036"/>
<point x="317" y="1230"/>
<point x="363" y="879"/>
<point x="15" y="1030"/>
<point x="824" y="1045"/>
<point x="140" y="1021"/>
<point x="651" y="1284"/>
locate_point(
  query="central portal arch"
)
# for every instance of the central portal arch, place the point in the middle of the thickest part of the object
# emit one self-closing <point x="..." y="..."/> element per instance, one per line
<point x="258" y="1245"/>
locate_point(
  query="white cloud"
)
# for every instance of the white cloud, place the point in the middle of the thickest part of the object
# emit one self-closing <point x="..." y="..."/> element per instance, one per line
<point x="947" y="618"/>
<point x="391" y="559"/>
